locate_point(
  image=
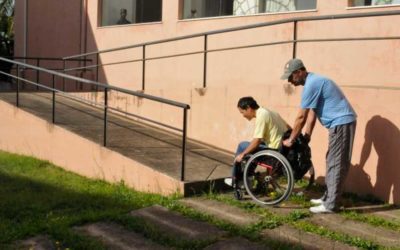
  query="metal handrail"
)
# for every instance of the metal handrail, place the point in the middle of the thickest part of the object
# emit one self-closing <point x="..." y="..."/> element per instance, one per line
<point x="39" y="59"/>
<point x="244" y="27"/>
<point x="106" y="88"/>
<point x="294" y="41"/>
<point x="46" y="58"/>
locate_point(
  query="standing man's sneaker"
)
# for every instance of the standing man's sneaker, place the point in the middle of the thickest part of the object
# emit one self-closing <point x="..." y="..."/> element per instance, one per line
<point x="316" y="201"/>
<point x="320" y="209"/>
<point x="228" y="181"/>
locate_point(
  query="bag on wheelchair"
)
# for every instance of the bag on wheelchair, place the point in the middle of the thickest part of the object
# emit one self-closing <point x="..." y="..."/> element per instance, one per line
<point x="299" y="155"/>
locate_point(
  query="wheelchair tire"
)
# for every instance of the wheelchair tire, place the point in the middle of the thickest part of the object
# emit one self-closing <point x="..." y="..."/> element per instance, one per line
<point x="268" y="177"/>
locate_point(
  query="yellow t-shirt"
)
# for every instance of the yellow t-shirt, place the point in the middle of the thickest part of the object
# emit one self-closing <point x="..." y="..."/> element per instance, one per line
<point x="270" y="127"/>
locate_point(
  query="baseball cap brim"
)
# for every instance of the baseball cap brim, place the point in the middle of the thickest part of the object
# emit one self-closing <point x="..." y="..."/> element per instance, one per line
<point x="286" y="75"/>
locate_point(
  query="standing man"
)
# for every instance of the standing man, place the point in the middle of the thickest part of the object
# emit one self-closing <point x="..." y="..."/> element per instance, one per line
<point x="268" y="132"/>
<point x="322" y="98"/>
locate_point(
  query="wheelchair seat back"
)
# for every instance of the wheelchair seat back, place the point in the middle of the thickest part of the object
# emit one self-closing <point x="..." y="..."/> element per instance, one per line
<point x="299" y="155"/>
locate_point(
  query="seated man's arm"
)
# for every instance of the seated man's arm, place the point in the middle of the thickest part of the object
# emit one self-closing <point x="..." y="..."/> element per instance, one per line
<point x="253" y="146"/>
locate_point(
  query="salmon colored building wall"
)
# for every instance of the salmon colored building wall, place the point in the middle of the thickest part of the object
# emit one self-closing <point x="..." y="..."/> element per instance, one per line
<point x="367" y="71"/>
<point x="47" y="141"/>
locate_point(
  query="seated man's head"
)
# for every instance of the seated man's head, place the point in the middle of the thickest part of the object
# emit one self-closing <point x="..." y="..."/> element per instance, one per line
<point x="247" y="107"/>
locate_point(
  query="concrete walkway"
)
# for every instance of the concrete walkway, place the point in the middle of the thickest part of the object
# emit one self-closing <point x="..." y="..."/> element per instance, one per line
<point x="156" y="148"/>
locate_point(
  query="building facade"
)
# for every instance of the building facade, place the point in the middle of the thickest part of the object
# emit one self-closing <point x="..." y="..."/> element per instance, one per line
<point x="366" y="69"/>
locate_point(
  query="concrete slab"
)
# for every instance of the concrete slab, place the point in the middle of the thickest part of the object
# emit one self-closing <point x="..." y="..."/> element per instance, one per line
<point x="177" y="225"/>
<point x="391" y="215"/>
<point x="114" y="236"/>
<point x="236" y="244"/>
<point x="338" y="223"/>
<point x="40" y="242"/>
<point x="222" y="211"/>
<point x="286" y="207"/>
<point x="306" y="240"/>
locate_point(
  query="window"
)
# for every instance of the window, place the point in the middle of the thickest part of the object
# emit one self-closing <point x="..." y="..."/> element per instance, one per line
<point x="210" y="8"/>
<point x="286" y="5"/>
<point x="207" y="8"/>
<point x="119" y="12"/>
<point x="357" y="3"/>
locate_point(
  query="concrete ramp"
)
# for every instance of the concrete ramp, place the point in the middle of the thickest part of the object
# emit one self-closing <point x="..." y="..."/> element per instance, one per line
<point x="144" y="157"/>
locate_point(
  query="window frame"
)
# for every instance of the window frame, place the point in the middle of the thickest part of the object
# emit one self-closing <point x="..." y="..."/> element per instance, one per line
<point x="182" y="19"/>
<point x="100" y="16"/>
<point x="350" y="7"/>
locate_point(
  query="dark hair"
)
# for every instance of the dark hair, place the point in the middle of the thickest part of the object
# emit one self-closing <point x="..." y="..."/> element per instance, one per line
<point x="247" y="102"/>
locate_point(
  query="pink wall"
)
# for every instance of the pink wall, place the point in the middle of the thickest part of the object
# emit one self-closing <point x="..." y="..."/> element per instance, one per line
<point x="52" y="31"/>
<point x="367" y="71"/>
<point x="49" y="142"/>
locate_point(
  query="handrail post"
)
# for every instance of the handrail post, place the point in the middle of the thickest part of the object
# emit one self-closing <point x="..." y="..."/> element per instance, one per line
<point x="37" y="73"/>
<point x="294" y="39"/>
<point x="63" y="79"/>
<point x="17" y="92"/>
<point x="143" y="66"/>
<point x="97" y="70"/>
<point x="105" y="116"/>
<point x="184" y="132"/>
<point x="205" y="61"/>
<point x="54" y="99"/>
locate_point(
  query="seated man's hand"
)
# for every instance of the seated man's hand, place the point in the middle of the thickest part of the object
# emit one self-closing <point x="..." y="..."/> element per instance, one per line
<point x="239" y="158"/>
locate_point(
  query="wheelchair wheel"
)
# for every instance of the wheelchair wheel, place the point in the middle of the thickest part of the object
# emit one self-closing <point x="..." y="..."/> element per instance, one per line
<point x="268" y="177"/>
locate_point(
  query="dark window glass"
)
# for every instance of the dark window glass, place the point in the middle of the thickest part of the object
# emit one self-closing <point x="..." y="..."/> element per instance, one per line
<point x="120" y="12"/>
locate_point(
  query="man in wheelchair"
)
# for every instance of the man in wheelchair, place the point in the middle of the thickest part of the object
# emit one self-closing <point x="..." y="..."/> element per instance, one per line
<point x="268" y="133"/>
<point x="265" y="168"/>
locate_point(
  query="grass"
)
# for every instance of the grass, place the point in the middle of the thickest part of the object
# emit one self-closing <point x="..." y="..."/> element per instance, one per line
<point x="295" y="218"/>
<point x="37" y="198"/>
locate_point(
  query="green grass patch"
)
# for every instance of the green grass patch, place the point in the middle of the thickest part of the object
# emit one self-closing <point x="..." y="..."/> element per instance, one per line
<point x="350" y="240"/>
<point x="372" y="220"/>
<point x="38" y="198"/>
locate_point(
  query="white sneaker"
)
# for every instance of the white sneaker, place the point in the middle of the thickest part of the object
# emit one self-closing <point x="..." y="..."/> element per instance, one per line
<point x="320" y="209"/>
<point x="316" y="201"/>
<point x="228" y="181"/>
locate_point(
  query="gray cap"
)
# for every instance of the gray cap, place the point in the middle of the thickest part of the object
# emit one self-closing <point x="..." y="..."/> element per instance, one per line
<point x="291" y="66"/>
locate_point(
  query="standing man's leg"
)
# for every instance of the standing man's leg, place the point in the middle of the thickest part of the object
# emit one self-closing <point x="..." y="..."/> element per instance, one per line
<point x="338" y="162"/>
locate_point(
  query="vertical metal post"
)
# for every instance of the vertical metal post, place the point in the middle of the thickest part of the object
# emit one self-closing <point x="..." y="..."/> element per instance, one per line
<point x="63" y="79"/>
<point x="184" y="144"/>
<point x="205" y="62"/>
<point x="294" y="39"/>
<point x="144" y="67"/>
<point x="17" y="95"/>
<point x="37" y="73"/>
<point x="97" y="70"/>
<point x="105" y="117"/>
<point x="54" y="99"/>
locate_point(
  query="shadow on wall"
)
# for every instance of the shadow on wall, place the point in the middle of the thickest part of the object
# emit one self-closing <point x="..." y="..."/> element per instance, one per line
<point x="385" y="137"/>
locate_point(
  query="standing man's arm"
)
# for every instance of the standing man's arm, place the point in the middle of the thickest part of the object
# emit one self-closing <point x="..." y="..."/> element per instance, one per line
<point x="253" y="146"/>
<point x="310" y="123"/>
<point x="298" y="126"/>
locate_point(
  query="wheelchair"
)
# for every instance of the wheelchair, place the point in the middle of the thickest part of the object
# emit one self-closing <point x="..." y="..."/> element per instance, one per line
<point x="268" y="176"/>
